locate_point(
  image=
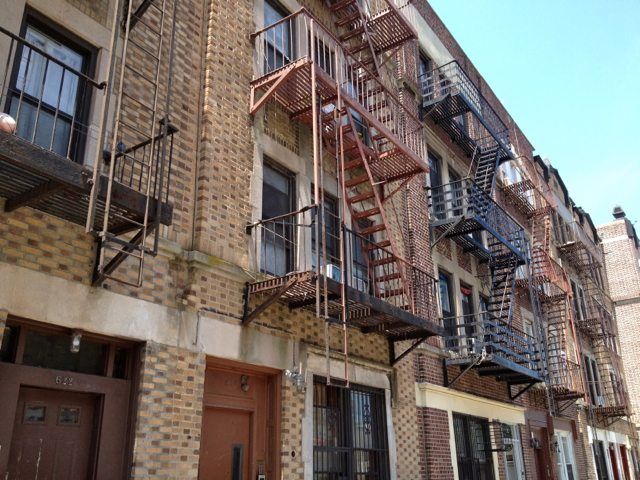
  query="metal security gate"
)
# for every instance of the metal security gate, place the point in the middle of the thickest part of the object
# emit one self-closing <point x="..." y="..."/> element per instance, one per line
<point x="473" y="447"/>
<point x="350" y="433"/>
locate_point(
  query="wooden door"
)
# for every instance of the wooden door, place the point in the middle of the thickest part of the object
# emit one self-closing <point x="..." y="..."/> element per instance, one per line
<point x="624" y="458"/>
<point x="544" y="467"/>
<point x="226" y="450"/>
<point x="240" y="423"/>
<point x="614" y="462"/>
<point x="53" y="435"/>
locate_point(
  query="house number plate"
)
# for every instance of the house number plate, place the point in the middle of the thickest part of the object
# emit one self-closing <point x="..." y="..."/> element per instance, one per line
<point x="62" y="380"/>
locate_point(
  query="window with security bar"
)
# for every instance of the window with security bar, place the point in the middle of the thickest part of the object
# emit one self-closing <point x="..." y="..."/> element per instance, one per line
<point x="473" y="447"/>
<point x="349" y="433"/>
<point x="49" y="94"/>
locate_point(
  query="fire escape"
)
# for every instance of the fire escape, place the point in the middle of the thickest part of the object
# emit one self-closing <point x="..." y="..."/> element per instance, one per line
<point x="605" y="387"/>
<point x="532" y="197"/>
<point x="347" y="266"/>
<point x="465" y="211"/>
<point x="54" y="162"/>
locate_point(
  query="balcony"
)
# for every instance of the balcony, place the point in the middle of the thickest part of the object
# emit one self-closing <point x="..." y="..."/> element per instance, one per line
<point x="594" y="315"/>
<point x="453" y="102"/>
<point x="493" y="348"/>
<point x="609" y="398"/>
<point x="376" y="291"/>
<point x="548" y="277"/>
<point x="461" y="210"/>
<point x="527" y="198"/>
<point x="43" y="166"/>
<point x="298" y="55"/>
<point x="565" y="380"/>
<point x="576" y="246"/>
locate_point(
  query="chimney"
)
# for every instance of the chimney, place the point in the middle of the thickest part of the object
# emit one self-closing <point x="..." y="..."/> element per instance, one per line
<point x="618" y="212"/>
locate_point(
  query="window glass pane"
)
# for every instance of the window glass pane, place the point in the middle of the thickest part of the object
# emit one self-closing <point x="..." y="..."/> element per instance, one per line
<point x="9" y="342"/>
<point x="51" y="350"/>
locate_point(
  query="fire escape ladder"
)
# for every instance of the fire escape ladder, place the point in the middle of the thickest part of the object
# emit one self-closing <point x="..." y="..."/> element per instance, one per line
<point x="502" y="288"/>
<point x="486" y="166"/>
<point x="363" y="196"/>
<point x="352" y="23"/>
<point x="139" y="144"/>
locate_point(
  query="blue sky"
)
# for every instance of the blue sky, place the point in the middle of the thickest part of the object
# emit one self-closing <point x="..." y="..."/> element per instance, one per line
<point x="569" y="73"/>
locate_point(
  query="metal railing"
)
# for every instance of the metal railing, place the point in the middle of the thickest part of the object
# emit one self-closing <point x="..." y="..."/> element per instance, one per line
<point x="287" y="244"/>
<point x="475" y="334"/>
<point x="47" y="95"/>
<point x="547" y="272"/>
<point x="464" y="199"/>
<point x="568" y="234"/>
<point x="300" y="36"/>
<point x="608" y="393"/>
<point x="450" y="80"/>
<point x="564" y="375"/>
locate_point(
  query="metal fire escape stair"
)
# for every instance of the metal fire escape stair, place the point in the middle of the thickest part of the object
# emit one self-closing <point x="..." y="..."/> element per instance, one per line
<point x="138" y="145"/>
<point x="486" y="166"/>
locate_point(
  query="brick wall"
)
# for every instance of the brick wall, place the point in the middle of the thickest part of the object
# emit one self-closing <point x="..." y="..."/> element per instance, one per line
<point x="434" y="443"/>
<point x="169" y="413"/>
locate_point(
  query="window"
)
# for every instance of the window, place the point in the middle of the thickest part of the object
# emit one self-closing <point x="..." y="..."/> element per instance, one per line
<point x="473" y="447"/>
<point x="513" y="458"/>
<point x="599" y="455"/>
<point x="332" y="231"/>
<point x="566" y="460"/>
<point x="361" y="257"/>
<point x="277" y="245"/>
<point x="49" y="101"/>
<point x="447" y="308"/>
<point x="466" y="301"/>
<point x="278" y="39"/>
<point x="455" y="182"/>
<point x="349" y="433"/>
<point x="424" y="67"/>
<point x="435" y="173"/>
<point x="593" y="380"/>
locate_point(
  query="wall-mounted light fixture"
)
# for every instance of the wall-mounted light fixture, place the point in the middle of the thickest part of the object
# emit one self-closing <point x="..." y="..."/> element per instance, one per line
<point x="76" y="338"/>
<point x="297" y="378"/>
<point x="244" y="383"/>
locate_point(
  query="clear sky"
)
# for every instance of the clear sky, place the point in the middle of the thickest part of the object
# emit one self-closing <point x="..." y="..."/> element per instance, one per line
<point x="568" y="71"/>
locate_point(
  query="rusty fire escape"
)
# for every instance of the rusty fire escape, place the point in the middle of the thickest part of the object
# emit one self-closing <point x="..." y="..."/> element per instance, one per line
<point x="56" y="161"/>
<point x="595" y="320"/>
<point x="346" y="266"/>
<point x="466" y="212"/>
<point x="532" y="197"/>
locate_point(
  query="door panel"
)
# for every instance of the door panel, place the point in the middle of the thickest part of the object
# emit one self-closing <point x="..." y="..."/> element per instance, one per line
<point x="53" y="435"/>
<point x="225" y="452"/>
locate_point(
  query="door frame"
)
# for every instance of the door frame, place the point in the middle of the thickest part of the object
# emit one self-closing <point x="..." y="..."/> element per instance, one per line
<point x="273" y="379"/>
<point x="115" y="399"/>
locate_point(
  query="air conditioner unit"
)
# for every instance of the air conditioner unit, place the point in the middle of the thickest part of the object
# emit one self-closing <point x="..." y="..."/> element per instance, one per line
<point x="360" y="284"/>
<point x="600" y="401"/>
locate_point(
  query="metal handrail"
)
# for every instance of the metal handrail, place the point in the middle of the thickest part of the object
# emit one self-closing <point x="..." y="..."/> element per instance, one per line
<point x="300" y="36"/>
<point x="464" y="198"/>
<point x="473" y="334"/>
<point x="568" y="233"/>
<point x="451" y="79"/>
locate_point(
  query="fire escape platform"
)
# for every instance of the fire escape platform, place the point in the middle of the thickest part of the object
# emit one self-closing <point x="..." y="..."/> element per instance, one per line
<point x="38" y="178"/>
<point x="392" y="30"/>
<point x="527" y="199"/>
<point x="504" y="370"/>
<point x="368" y="313"/>
<point x="462" y="208"/>
<point x="291" y="87"/>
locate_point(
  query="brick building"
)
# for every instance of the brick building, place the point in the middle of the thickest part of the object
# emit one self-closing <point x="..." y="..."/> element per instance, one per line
<point x="261" y="239"/>
<point x="622" y="260"/>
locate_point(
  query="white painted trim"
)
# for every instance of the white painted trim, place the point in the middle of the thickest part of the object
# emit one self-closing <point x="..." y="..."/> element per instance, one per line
<point x="358" y="373"/>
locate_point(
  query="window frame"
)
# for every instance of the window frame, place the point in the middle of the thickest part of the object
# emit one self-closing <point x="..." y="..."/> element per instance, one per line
<point x="563" y="462"/>
<point x="49" y="28"/>
<point x="470" y="464"/>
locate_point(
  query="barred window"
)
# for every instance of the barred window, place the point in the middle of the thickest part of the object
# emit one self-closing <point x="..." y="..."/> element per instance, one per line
<point x="473" y="447"/>
<point x="349" y="432"/>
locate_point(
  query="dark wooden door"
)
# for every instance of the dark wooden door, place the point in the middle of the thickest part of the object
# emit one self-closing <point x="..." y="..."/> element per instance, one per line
<point x="544" y="467"/>
<point x="226" y="450"/>
<point x="614" y="462"/>
<point x="53" y="435"/>
<point x="624" y="458"/>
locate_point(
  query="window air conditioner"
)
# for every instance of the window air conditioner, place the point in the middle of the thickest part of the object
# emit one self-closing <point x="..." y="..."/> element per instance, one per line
<point x="333" y="272"/>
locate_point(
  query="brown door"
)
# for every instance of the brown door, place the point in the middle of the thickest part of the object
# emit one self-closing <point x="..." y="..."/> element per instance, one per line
<point x="625" y="462"/>
<point x="53" y="435"/>
<point x="614" y="462"/>
<point x="225" y="454"/>
<point x="240" y="423"/>
<point x="543" y="456"/>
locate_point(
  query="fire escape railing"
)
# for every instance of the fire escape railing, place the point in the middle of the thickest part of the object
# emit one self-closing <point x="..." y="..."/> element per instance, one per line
<point x="463" y="207"/>
<point x="482" y="333"/>
<point x="285" y="246"/>
<point x="470" y="118"/>
<point x="48" y="99"/>
<point x="548" y="275"/>
<point x="289" y="42"/>
<point x="570" y="237"/>
<point x="564" y="375"/>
